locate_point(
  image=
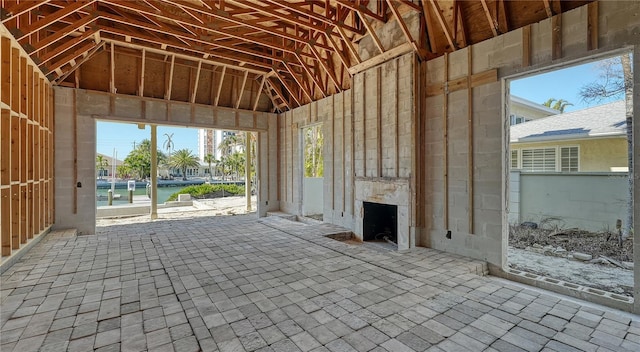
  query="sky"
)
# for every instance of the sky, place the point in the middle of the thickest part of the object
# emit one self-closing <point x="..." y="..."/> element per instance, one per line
<point x="121" y="136"/>
<point x="560" y="84"/>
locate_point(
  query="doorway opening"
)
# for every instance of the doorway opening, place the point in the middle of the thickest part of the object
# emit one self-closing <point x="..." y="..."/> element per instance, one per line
<point x="570" y="200"/>
<point x="313" y="167"/>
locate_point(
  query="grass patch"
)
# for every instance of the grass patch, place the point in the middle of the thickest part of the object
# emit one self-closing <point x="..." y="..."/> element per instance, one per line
<point x="205" y="191"/>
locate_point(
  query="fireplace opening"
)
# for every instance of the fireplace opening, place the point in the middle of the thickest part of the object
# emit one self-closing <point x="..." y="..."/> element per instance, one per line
<point x="380" y="222"/>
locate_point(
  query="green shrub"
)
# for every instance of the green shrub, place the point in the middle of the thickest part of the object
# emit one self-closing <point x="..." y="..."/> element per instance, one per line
<point x="207" y="191"/>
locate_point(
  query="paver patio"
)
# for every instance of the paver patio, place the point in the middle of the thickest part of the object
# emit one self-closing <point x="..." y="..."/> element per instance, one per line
<point x="242" y="284"/>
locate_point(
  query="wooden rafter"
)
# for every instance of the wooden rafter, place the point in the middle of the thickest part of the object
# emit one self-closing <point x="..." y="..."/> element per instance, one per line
<point x="443" y="23"/>
<point x="492" y="22"/>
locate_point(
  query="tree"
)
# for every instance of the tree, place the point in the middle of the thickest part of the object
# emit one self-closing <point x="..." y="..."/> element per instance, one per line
<point x="168" y="143"/>
<point x="183" y="159"/>
<point x="209" y="159"/>
<point x="313" y="159"/>
<point x="557" y="104"/>
<point x="101" y="165"/>
<point x="139" y="159"/>
<point x="227" y="144"/>
<point x="615" y="81"/>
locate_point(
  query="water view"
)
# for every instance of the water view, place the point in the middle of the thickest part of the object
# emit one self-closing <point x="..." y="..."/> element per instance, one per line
<point x="163" y="194"/>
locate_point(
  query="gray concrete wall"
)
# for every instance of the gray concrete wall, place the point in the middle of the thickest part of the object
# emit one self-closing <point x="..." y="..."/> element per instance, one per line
<point x="91" y="105"/>
<point x="368" y="134"/>
<point x="618" y="28"/>
<point x="75" y="207"/>
<point x="313" y="196"/>
<point x="584" y="200"/>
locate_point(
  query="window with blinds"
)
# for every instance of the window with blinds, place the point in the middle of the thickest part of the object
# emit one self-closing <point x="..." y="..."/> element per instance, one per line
<point x="569" y="159"/>
<point x="539" y="159"/>
<point x="514" y="159"/>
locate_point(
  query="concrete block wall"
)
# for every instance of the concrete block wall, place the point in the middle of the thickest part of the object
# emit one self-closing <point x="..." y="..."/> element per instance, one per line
<point x="619" y="29"/>
<point x="75" y="206"/>
<point x="368" y="136"/>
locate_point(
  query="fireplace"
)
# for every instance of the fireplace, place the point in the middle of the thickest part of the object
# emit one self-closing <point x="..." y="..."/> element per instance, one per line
<point x="380" y="222"/>
<point x="383" y="205"/>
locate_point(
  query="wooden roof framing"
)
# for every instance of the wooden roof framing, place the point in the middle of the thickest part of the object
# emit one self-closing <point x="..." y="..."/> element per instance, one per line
<point x="285" y="52"/>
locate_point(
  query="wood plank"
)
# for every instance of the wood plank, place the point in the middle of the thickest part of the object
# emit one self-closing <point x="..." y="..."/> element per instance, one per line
<point x="24" y="219"/>
<point x="384" y="57"/>
<point x="5" y="223"/>
<point x="23" y="85"/>
<point x="526" y="46"/>
<point x="5" y="70"/>
<point x="30" y="219"/>
<point x="222" y="75"/>
<point x="470" y="150"/>
<point x="242" y="86"/>
<point x="36" y="152"/>
<point x="36" y="208"/>
<point x="403" y="26"/>
<point x="556" y="37"/>
<point x="15" y="79"/>
<point x="5" y="147"/>
<point x="23" y="150"/>
<point x="445" y="146"/>
<point x="15" y="216"/>
<point x="15" y="148"/>
<point x="29" y="96"/>
<point x="592" y="25"/>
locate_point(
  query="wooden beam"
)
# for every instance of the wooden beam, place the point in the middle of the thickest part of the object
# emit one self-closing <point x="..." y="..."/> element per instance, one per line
<point x="63" y="47"/>
<point x="195" y="84"/>
<point x="311" y="75"/>
<point x="443" y="24"/>
<point x="298" y="81"/>
<point x="259" y="92"/>
<point x="224" y="69"/>
<point x="526" y="46"/>
<point x="349" y="45"/>
<point x="21" y="8"/>
<point x="592" y="25"/>
<point x="371" y="32"/>
<point x="477" y="79"/>
<point x="142" y="68"/>
<point x="244" y="82"/>
<point x="59" y="34"/>
<point x="556" y="37"/>
<point x="327" y="69"/>
<point x="492" y="23"/>
<point x="403" y="26"/>
<point x="53" y="17"/>
<point x="387" y="55"/>
<point x="112" y="69"/>
<point x="170" y="84"/>
<point x="547" y="8"/>
<point x="5" y="70"/>
<point x="88" y="56"/>
<point x="343" y="58"/>
<point x="287" y="87"/>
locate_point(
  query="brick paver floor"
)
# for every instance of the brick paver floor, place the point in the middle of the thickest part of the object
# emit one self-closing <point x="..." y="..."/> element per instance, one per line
<point x="241" y="284"/>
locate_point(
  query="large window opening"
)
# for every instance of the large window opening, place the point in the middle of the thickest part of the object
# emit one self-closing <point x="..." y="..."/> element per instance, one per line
<point x="207" y="164"/>
<point x="569" y="195"/>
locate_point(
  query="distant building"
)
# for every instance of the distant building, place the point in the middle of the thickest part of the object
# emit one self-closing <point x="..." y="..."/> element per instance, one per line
<point x="107" y="171"/>
<point x="523" y="110"/>
<point x="588" y="140"/>
<point x="209" y="140"/>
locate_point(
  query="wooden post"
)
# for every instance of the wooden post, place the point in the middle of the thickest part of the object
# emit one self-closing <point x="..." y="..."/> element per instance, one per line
<point x="247" y="169"/>
<point x="154" y="172"/>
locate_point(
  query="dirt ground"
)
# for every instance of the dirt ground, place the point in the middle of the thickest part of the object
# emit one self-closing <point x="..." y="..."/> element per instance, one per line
<point x="592" y="259"/>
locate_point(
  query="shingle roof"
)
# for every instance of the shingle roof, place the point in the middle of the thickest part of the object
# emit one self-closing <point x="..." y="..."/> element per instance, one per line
<point x="598" y="121"/>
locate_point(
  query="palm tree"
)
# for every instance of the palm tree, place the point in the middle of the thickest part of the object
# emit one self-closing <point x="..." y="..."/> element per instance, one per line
<point x="168" y="145"/>
<point x="227" y="144"/>
<point x="209" y="159"/>
<point x="101" y="165"/>
<point x="183" y="159"/>
<point x="557" y="104"/>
